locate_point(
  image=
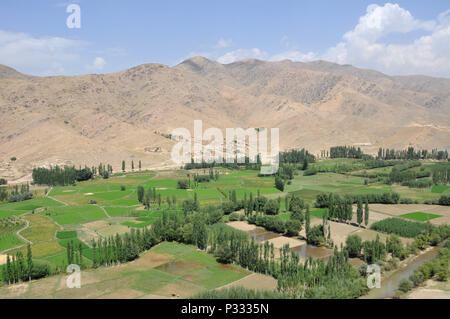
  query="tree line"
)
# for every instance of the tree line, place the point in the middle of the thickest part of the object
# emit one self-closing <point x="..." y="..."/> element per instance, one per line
<point x="411" y="154"/>
<point x="14" y="194"/>
<point x="19" y="268"/>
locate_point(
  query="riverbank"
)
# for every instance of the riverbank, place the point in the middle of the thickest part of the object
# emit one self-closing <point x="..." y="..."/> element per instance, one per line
<point x="391" y="280"/>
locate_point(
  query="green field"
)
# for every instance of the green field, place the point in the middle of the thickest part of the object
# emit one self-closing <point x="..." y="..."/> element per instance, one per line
<point x="10" y="241"/>
<point x="40" y="228"/>
<point x="167" y="269"/>
<point x="192" y="265"/>
<point x="419" y="216"/>
<point x="66" y="234"/>
<point x="54" y="224"/>
<point x="439" y="188"/>
<point x="76" y="214"/>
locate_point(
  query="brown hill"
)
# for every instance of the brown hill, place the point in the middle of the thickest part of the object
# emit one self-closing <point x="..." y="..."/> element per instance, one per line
<point x="90" y="119"/>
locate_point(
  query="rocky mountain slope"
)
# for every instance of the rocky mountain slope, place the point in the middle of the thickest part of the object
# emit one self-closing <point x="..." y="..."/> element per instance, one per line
<point x="106" y="118"/>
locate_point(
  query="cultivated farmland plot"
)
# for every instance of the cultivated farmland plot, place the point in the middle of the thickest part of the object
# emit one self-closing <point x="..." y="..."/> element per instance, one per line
<point x="100" y="209"/>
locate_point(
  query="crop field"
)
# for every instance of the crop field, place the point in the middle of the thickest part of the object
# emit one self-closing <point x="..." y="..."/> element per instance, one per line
<point x="102" y="208"/>
<point x="440" y="189"/>
<point x="75" y="214"/>
<point x="40" y="228"/>
<point x="10" y="241"/>
<point x="420" y="216"/>
<point x="167" y="270"/>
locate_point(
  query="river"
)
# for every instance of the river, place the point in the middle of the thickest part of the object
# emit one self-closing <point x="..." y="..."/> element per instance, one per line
<point x="390" y="284"/>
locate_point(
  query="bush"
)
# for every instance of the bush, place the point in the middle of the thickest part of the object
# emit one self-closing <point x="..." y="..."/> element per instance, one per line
<point x="293" y="227"/>
<point x="183" y="184"/>
<point x="405" y="285"/>
<point x="279" y="183"/>
<point x="92" y="201"/>
<point x="228" y="207"/>
<point x="20" y="197"/>
<point x="234" y="217"/>
<point x="406" y="201"/>
<point x="3" y="181"/>
<point x="39" y="270"/>
<point x="315" y="235"/>
<point x="353" y="245"/>
<point x="272" y="207"/>
<point x="271" y="223"/>
<point x="444" y="200"/>
<point x="224" y="255"/>
<point x="122" y="187"/>
<point x="310" y="171"/>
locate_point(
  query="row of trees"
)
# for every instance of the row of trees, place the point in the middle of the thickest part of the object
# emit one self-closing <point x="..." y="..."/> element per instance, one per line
<point x="311" y="279"/>
<point x="341" y="208"/>
<point x="151" y="196"/>
<point x="62" y="176"/>
<point x="346" y="152"/>
<point x="375" y="251"/>
<point x="296" y="157"/>
<point x="246" y="163"/>
<point x="14" y="194"/>
<point x="20" y="268"/>
<point x="441" y="175"/>
<point x="132" y="165"/>
<point x="411" y="154"/>
<point x="322" y="200"/>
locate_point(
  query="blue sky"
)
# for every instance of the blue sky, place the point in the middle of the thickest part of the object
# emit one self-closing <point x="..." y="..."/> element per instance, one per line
<point x="401" y="37"/>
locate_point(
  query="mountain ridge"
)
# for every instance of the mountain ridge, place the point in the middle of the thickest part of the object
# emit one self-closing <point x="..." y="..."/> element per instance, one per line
<point x="93" y="118"/>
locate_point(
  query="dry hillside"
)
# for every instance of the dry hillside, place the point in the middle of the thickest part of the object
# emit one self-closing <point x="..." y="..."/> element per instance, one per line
<point x="96" y="118"/>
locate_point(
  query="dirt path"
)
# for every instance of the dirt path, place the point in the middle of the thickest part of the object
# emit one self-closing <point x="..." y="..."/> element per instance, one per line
<point x="59" y="201"/>
<point x="27" y="224"/>
<point x="103" y="209"/>
<point x="20" y="230"/>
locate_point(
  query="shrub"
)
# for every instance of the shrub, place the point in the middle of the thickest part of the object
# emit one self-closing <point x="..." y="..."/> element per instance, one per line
<point x="234" y="217"/>
<point x="92" y="201"/>
<point x="293" y="227"/>
<point x="315" y="235"/>
<point x="224" y="254"/>
<point x="272" y="207"/>
<point x="228" y="207"/>
<point x="353" y="245"/>
<point x="122" y="187"/>
<point x="183" y="184"/>
<point x="20" y="197"/>
<point x="279" y="184"/>
<point x="310" y="171"/>
<point x="39" y="270"/>
<point x="3" y="181"/>
<point x="405" y="285"/>
<point x="444" y="200"/>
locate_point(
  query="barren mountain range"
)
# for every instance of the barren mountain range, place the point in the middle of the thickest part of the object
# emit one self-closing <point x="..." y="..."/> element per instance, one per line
<point x="108" y="118"/>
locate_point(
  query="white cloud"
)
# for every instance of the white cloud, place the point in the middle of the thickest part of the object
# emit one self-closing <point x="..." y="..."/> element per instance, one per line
<point x="223" y="43"/>
<point x="256" y="53"/>
<point x="368" y="44"/>
<point x="240" y="54"/>
<point x="98" y="64"/>
<point x="41" y="56"/>
<point x="294" y="55"/>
